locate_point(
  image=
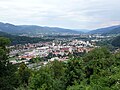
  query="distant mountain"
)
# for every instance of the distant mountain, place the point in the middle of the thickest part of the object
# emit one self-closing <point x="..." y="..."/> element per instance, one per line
<point x="82" y="30"/>
<point x="9" y="28"/>
<point x="34" y="30"/>
<point x="106" y="30"/>
<point x="115" y="31"/>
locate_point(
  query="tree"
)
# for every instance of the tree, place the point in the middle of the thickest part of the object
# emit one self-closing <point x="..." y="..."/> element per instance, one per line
<point x="97" y="53"/>
<point x="41" y="80"/>
<point x="57" y="68"/>
<point x="4" y="42"/>
<point x="7" y="70"/>
<point x="24" y="74"/>
<point x="49" y="77"/>
<point x="73" y="71"/>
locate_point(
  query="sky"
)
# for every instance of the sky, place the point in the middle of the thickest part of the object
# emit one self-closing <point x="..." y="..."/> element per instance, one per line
<point x="72" y="14"/>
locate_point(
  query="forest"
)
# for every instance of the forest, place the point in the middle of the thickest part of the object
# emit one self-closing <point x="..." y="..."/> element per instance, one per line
<point x="23" y="39"/>
<point x="97" y="70"/>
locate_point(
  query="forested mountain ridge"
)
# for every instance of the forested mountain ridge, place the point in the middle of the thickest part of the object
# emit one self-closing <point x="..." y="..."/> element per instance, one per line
<point x="107" y="30"/>
<point x="34" y="29"/>
<point x="114" y="31"/>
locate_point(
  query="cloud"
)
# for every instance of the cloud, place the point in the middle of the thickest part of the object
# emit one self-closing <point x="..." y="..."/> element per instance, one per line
<point x="86" y="14"/>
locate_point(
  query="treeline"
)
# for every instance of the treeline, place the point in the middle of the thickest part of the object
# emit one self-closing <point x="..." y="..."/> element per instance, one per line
<point x="96" y="70"/>
<point x="22" y="39"/>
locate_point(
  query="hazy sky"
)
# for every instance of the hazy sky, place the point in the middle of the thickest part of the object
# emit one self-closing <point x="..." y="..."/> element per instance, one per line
<point x="85" y="14"/>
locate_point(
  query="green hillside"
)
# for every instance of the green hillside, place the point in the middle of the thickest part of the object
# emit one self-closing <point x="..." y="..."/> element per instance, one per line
<point x="22" y="39"/>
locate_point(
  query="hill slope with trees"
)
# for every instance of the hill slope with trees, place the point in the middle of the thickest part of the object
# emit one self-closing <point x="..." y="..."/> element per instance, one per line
<point x="107" y="30"/>
<point x="22" y="39"/>
<point x="116" y="41"/>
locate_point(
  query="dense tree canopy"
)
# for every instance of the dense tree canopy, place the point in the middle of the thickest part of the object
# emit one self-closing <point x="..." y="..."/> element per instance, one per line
<point x="7" y="70"/>
<point x="116" y="41"/>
